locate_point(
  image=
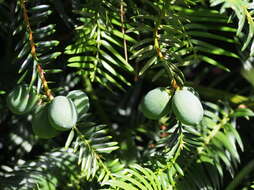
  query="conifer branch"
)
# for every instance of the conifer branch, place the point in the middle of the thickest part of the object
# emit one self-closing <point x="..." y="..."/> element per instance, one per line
<point x="33" y="51"/>
<point x="200" y="150"/>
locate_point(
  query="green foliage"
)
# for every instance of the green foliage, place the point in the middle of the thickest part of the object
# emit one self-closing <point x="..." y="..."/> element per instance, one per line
<point x="243" y="10"/>
<point x="81" y="102"/>
<point x="34" y="45"/>
<point x="97" y="50"/>
<point x="22" y="99"/>
<point x="92" y="141"/>
<point x="101" y="58"/>
<point x="38" y="174"/>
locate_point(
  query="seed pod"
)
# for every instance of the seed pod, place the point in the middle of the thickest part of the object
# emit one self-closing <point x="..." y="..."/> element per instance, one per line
<point x="155" y="104"/>
<point x="41" y="125"/>
<point x="22" y="100"/>
<point x="187" y="107"/>
<point x="62" y="113"/>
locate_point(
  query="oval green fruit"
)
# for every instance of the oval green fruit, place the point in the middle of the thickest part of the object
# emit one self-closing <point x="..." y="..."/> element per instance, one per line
<point x="41" y="125"/>
<point x="80" y="100"/>
<point x="155" y="103"/>
<point x="187" y="107"/>
<point x="62" y="113"/>
<point x="22" y="100"/>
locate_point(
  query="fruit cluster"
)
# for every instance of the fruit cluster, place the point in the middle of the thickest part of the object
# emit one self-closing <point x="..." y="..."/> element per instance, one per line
<point x="49" y="119"/>
<point x="185" y="105"/>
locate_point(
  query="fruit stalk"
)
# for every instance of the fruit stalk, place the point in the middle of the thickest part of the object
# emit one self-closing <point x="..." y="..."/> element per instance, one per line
<point x="33" y="51"/>
<point x="156" y="43"/>
<point x="161" y="56"/>
<point x="44" y="82"/>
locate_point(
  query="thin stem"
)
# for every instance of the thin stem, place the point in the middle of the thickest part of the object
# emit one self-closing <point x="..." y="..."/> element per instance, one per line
<point x="156" y="43"/>
<point x="156" y="34"/>
<point x="89" y="89"/>
<point x="122" y="13"/>
<point x="212" y="134"/>
<point x="158" y="49"/>
<point x="33" y="51"/>
<point x="44" y="82"/>
<point x="176" y="155"/>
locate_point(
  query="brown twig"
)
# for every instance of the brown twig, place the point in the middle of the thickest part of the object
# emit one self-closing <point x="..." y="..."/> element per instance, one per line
<point x="33" y="52"/>
<point x="160" y="54"/>
<point x="157" y="44"/>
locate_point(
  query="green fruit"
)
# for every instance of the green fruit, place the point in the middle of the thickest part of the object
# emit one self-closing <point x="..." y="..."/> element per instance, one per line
<point x="187" y="107"/>
<point x="155" y="103"/>
<point x="41" y="125"/>
<point x="62" y="113"/>
<point x="80" y="100"/>
<point x="22" y="100"/>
